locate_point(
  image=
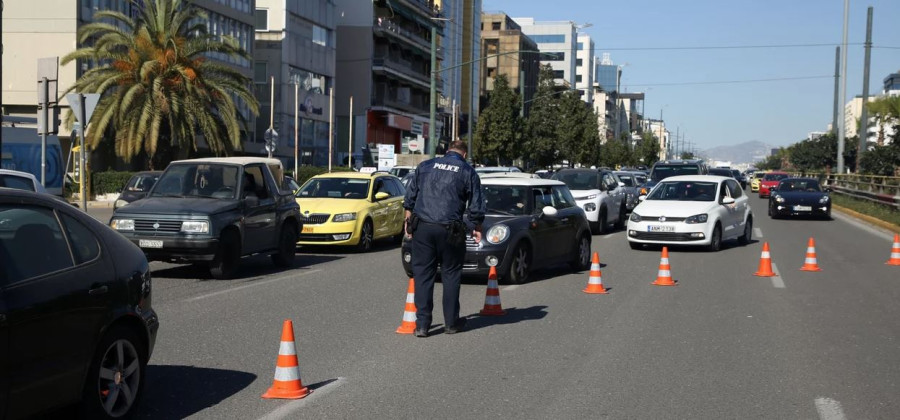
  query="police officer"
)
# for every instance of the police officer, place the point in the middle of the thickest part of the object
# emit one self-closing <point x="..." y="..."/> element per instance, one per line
<point x="436" y="198"/>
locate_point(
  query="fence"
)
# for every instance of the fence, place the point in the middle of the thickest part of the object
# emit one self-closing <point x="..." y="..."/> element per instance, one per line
<point x="883" y="190"/>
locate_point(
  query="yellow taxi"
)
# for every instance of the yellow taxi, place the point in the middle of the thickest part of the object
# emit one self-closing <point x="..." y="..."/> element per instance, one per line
<point x="757" y="178"/>
<point x="351" y="209"/>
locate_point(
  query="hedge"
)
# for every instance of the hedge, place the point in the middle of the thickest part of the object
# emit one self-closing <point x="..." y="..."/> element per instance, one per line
<point x="304" y="173"/>
<point x="108" y="182"/>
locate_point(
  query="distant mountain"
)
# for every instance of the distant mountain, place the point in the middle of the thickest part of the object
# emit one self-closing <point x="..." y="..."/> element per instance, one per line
<point x="748" y="152"/>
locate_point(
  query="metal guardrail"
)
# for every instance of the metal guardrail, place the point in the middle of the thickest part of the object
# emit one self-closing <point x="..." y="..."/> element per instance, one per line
<point x="883" y="190"/>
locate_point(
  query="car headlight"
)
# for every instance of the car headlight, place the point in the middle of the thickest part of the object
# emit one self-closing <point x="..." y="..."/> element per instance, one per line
<point x="591" y="197"/>
<point x="122" y="224"/>
<point x="697" y="218"/>
<point x="590" y="207"/>
<point x="635" y="217"/>
<point x="824" y="199"/>
<point x="497" y="234"/>
<point x="779" y="199"/>
<point x="120" y="203"/>
<point x="195" y="227"/>
<point x="343" y="217"/>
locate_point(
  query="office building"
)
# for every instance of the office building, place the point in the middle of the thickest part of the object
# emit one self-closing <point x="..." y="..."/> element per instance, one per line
<point x="892" y="84"/>
<point x="509" y="52"/>
<point x="557" y="42"/>
<point x="471" y="51"/>
<point x="584" y="66"/>
<point x="608" y="75"/>
<point x="295" y="45"/>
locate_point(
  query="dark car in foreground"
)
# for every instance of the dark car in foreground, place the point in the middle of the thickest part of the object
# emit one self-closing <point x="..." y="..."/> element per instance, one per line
<point x="799" y="197"/>
<point x="137" y="187"/>
<point x="76" y="321"/>
<point x="530" y="223"/>
<point x="215" y="211"/>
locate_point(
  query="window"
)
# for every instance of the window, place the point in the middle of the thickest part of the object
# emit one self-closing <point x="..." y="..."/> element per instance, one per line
<point x="562" y="200"/>
<point x="579" y="62"/>
<point x="16" y="182"/>
<point x="254" y="183"/>
<point x="577" y="78"/>
<point x="609" y="182"/>
<point x="580" y="46"/>
<point x="262" y="19"/>
<point x="320" y="36"/>
<point x="84" y="244"/>
<point x="32" y="243"/>
<point x="495" y="26"/>
<point x="548" y="39"/>
<point x="395" y="188"/>
<point x="734" y="189"/>
<point x="554" y="56"/>
<point x="559" y="74"/>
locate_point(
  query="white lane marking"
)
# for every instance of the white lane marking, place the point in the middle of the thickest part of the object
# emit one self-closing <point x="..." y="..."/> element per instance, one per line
<point x="512" y="287"/>
<point x="829" y="409"/>
<point x="757" y="232"/>
<point x="881" y="233"/>
<point x="287" y="410"/>
<point x="777" y="281"/>
<point x="258" y="283"/>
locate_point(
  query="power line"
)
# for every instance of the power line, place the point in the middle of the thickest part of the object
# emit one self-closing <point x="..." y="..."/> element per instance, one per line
<point x="727" y="82"/>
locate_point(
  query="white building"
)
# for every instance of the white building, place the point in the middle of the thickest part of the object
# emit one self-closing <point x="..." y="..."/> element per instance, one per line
<point x="879" y="132"/>
<point x="557" y="42"/>
<point x="584" y="67"/>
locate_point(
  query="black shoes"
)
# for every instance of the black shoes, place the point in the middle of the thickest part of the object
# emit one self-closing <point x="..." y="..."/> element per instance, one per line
<point x="421" y="332"/>
<point x="460" y="326"/>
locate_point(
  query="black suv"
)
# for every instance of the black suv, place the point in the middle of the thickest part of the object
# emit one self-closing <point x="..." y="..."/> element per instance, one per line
<point x="215" y="211"/>
<point x="666" y="168"/>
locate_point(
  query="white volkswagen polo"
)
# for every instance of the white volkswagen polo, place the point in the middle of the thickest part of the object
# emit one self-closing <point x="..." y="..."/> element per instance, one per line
<point x="692" y="210"/>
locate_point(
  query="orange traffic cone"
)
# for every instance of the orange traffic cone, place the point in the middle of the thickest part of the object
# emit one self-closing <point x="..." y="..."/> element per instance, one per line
<point x="408" y="326"/>
<point x="492" y="296"/>
<point x="811" y="264"/>
<point x="765" y="263"/>
<point x="287" y="384"/>
<point x="595" y="281"/>
<point x="895" y="252"/>
<point x="664" y="278"/>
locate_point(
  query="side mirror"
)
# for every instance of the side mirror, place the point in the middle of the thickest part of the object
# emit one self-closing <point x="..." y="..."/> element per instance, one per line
<point x="549" y="211"/>
<point x="727" y="200"/>
<point x="381" y="196"/>
<point x="251" y="201"/>
<point x="621" y="184"/>
<point x="642" y="197"/>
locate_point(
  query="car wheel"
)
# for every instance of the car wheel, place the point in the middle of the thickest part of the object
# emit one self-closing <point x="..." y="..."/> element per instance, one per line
<point x="582" y="259"/>
<point x="287" y="247"/>
<point x="715" y="242"/>
<point x="748" y="232"/>
<point x="227" y="258"/>
<point x="771" y="211"/>
<point x="366" y="237"/>
<point x="620" y="223"/>
<point x="115" y="379"/>
<point x="635" y="245"/>
<point x="603" y="224"/>
<point x="520" y="267"/>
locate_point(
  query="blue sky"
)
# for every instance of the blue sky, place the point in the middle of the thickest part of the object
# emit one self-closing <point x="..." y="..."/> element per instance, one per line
<point x="780" y="112"/>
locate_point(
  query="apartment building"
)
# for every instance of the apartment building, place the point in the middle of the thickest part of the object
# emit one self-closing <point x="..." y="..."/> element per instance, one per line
<point x="557" y="42"/>
<point x="509" y="52"/>
<point x="584" y="67"/>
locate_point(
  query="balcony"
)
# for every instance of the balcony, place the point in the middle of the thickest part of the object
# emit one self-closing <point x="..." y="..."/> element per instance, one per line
<point x="390" y="28"/>
<point x="402" y="69"/>
<point x="401" y="98"/>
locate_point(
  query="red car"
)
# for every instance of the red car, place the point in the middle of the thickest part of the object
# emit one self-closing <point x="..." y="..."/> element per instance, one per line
<point x="770" y="180"/>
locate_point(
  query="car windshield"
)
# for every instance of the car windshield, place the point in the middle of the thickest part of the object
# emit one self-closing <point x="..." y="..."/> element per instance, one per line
<point x="775" y="177"/>
<point x="759" y="175"/>
<point x="141" y="183"/>
<point x="506" y="200"/>
<point x="805" y="185"/>
<point x="736" y="173"/>
<point x="579" y="180"/>
<point x="626" y="179"/>
<point x="640" y="179"/>
<point x="198" y="180"/>
<point x="684" y="191"/>
<point x="661" y="172"/>
<point x="720" y="172"/>
<point x="400" y="172"/>
<point x="350" y="188"/>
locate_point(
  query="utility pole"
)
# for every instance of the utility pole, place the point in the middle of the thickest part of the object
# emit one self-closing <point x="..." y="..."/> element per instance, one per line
<point x="330" y="127"/>
<point x="296" y="128"/>
<point x="432" y="139"/>
<point x="350" y="140"/>
<point x="843" y="100"/>
<point x="837" y="88"/>
<point x="864" y="115"/>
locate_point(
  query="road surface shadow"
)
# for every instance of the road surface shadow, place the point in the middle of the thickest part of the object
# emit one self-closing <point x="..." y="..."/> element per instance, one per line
<point x="253" y="266"/>
<point x="176" y="392"/>
<point x="728" y="245"/>
<point x="513" y="315"/>
<point x="378" y="246"/>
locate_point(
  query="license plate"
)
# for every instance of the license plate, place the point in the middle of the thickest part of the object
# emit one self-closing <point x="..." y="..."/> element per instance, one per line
<point x="147" y="243"/>
<point x="655" y="228"/>
<point x="308" y="229"/>
<point x="802" y="208"/>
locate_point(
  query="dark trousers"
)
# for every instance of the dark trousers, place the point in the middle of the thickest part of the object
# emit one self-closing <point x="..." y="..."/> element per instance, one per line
<point x="430" y="247"/>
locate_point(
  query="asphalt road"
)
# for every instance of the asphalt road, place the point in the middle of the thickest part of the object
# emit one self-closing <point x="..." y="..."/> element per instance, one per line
<point x="722" y="344"/>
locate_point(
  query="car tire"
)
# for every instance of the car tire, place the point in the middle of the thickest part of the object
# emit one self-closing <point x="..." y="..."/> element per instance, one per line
<point x="582" y="259"/>
<point x="602" y="223"/>
<point x="120" y="356"/>
<point x="715" y="242"/>
<point x="366" y="237"/>
<point x="748" y="232"/>
<point x="287" y="247"/>
<point x="635" y="245"/>
<point x="228" y="256"/>
<point x="595" y="227"/>
<point x="520" y="265"/>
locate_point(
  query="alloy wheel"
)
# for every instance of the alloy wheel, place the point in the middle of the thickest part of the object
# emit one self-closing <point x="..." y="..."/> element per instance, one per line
<point x="119" y="378"/>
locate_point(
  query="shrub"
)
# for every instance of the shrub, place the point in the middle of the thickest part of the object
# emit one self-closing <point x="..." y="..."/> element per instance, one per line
<point x="108" y="182"/>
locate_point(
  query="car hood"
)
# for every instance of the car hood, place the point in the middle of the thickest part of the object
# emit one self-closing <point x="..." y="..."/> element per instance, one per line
<point x="768" y="183"/>
<point x="658" y="208"/>
<point x="130" y="196"/>
<point x="584" y="194"/>
<point x="800" y="196"/>
<point x="179" y="206"/>
<point x="331" y="205"/>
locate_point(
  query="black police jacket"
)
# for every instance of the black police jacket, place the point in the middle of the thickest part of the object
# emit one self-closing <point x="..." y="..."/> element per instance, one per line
<point x="443" y="188"/>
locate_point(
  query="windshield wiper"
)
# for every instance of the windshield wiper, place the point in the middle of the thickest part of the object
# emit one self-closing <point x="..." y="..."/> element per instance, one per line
<point x="168" y="195"/>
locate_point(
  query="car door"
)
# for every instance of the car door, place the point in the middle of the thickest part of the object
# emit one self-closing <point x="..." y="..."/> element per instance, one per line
<point x="740" y="206"/>
<point x="727" y="212"/>
<point x="260" y="219"/>
<point x="568" y="220"/>
<point x="395" y="204"/>
<point x="613" y="198"/>
<point x="55" y="301"/>
<point x="545" y="229"/>
<point x="380" y="208"/>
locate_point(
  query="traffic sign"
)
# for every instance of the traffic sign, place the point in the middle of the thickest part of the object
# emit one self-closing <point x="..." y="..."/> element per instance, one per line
<point x="414" y="145"/>
<point x="271" y="137"/>
<point x="90" y="102"/>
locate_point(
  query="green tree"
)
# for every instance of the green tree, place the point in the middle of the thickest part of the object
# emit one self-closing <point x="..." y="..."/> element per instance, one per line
<point x="886" y="111"/>
<point x="774" y="161"/>
<point x="497" y="136"/>
<point x="615" y="152"/>
<point x="590" y="153"/>
<point x="540" y="126"/>
<point x="648" y="150"/>
<point x="820" y="154"/>
<point x="882" y="160"/>
<point x="156" y="82"/>
<point x="570" y="128"/>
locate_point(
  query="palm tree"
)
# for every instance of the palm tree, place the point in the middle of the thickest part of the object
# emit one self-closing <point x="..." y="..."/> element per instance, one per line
<point x="157" y="83"/>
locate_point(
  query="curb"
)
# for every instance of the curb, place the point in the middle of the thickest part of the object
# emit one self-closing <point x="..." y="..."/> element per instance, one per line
<point x="866" y="218"/>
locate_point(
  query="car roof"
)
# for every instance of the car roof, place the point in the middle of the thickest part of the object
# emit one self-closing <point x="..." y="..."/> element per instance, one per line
<point x="148" y="173"/>
<point x="507" y="175"/>
<point x="523" y="182"/>
<point x="235" y="160"/>
<point x="18" y="173"/>
<point x="353" y="175"/>
<point x="695" y="178"/>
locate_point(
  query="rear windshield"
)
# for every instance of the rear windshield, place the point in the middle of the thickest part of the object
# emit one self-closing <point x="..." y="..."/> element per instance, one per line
<point x="720" y="172"/>
<point x="807" y="185"/>
<point x="141" y="183"/>
<point x="775" y="177"/>
<point x="626" y="179"/>
<point x="661" y="172"/>
<point x="579" y="180"/>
